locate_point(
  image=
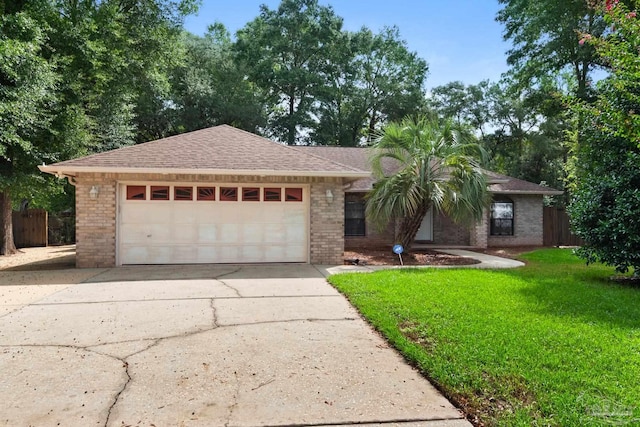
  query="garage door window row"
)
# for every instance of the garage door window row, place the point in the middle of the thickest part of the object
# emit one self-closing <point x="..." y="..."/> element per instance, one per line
<point x="223" y="194"/>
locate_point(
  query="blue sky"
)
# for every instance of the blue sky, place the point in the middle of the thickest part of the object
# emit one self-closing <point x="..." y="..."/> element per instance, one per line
<point x="460" y="40"/>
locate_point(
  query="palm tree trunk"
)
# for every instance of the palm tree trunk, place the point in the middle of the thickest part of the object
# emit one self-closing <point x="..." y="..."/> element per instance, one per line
<point x="7" y="246"/>
<point x="409" y="228"/>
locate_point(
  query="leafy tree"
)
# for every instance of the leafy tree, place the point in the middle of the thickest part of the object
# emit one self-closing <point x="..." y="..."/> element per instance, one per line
<point x="438" y="168"/>
<point x="545" y="36"/>
<point x="605" y="211"/>
<point x="283" y="51"/>
<point x="522" y="131"/>
<point x="210" y="86"/>
<point x="26" y="91"/>
<point x="341" y="102"/>
<point x="471" y="105"/>
<point x="369" y="79"/>
<point x="72" y="74"/>
<point x="392" y="78"/>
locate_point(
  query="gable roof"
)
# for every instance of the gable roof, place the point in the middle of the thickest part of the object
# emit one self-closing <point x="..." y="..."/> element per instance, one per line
<point x="217" y="150"/>
<point x="359" y="158"/>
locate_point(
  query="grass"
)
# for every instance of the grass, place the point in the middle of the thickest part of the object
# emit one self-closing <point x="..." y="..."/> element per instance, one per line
<point x="553" y="343"/>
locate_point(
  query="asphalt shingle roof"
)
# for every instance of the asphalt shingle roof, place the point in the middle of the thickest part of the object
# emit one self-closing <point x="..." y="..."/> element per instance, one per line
<point x="225" y="149"/>
<point x="359" y="158"/>
<point x="219" y="148"/>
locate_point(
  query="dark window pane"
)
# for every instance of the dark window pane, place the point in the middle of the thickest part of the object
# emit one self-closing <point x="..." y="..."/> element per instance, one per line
<point x="228" y="194"/>
<point x="354" y="218"/>
<point x="183" y="193"/>
<point x="293" y="194"/>
<point x="159" y="193"/>
<point x="502" y="227"/>
<point x="354" y="227"/>
<point x="136" y="192"/>
<point x="502" y="217"/>
<point x="206" y="193"/>
<point x="250" y="194"/>
<point x="272" y="194"/>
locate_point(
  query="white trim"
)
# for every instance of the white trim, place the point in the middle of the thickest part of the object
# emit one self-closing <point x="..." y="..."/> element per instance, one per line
<point x="70" y="170"/>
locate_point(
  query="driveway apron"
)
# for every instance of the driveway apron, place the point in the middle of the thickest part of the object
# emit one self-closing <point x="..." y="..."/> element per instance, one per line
<point x="206" y="346"/>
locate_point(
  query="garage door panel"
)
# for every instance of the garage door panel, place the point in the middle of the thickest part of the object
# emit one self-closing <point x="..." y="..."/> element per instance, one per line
<point x="158" y="233"/>
<point x="184" y="254"/>
<point x="184" y="212"/>
<point x="273" y="232"/>
<point x="295" y="252"/>
<point x="134" y="232"/>
<point x="207" y="254"/>
<point x="185" y="233"/>
<point x="229" y="233"/>
<point x="295" y="234"/>
<point x="207" y="233"/>
<point x="199" y="231"/>
<point x="135" y="255"/>
<point x="137" y="213"/>
<point x="252" y="233"/>
<point x="295" y="216"/>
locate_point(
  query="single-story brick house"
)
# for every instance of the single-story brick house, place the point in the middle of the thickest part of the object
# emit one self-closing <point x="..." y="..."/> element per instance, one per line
<point x="223" y="195"/>
<point x="514" y="218"/>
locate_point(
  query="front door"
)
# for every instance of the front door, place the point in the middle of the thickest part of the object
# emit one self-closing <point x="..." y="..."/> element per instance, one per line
<point x="425" y="233"/>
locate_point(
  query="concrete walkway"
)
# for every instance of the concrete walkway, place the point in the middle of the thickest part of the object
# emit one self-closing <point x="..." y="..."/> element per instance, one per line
<point x="486" y="262"/>
<point x="202" y="346"/>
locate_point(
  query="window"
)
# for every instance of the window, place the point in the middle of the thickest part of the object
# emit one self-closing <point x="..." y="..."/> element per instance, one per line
<point x="136" y="192"/>
<point x="354" y="218"/>
<point x="250" y="194"/>
<point x="272" y="195"/>
<point x="293" y="194"/>
<point x="159" y="192"/>
<point x="228" y="194"/>
<point x="206" y="193"/>
<point x="502" y="217"/>
<point x="183" y="193"/>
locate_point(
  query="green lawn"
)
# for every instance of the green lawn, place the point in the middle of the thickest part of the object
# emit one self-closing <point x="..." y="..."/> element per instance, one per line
<point x="552" y="343"/>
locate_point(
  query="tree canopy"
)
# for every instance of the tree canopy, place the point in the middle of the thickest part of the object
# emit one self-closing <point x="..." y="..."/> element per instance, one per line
<point x="605" y="210"/>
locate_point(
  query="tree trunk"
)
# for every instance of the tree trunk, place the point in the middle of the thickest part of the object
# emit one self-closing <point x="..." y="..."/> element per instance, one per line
<point x="409" y="228"/>
<point x="7" y="247"/>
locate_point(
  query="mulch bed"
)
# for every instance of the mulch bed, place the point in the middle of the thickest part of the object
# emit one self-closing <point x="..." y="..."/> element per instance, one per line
<point x="384" y="256"/>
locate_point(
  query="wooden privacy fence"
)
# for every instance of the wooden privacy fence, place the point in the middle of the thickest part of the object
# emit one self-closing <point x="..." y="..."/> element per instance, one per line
<point x="30" y="228"/>
<point x="557" y="231"/>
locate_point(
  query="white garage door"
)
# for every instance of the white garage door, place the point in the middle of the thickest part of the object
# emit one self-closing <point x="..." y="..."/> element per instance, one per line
<point x="226" y="223"/>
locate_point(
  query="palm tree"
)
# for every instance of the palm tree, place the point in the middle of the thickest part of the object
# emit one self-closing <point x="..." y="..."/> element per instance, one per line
<point x="438" y="166"/>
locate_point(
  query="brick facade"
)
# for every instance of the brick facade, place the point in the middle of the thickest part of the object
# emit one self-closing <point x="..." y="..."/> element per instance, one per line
<point x="447" y="232"/>
<point x="95" y="222"/>
<point x="327" y="223"/>
<point x="527" y="223"/>
<point x="528" y="229"/>
<point x="96" y="219"/>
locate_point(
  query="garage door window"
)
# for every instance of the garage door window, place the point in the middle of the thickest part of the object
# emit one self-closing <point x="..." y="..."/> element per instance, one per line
<point x="293" y="194"/>
<point x="159" y="193"/>
<point x="136" y="192"/>
<point x="272" y="194"/>
<point x="228" y="194"/>
<point x="206" y="193"/>
<point x="250" y="194"/>
<point x="183" y="193"/>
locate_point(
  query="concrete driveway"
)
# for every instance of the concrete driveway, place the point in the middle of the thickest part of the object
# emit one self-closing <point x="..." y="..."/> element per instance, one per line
<point x="201" y="346"/>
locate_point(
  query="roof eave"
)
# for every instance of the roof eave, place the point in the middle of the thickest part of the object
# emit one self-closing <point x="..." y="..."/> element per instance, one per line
<point x="74" y="170"/>
<point x="543" y="192"/>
